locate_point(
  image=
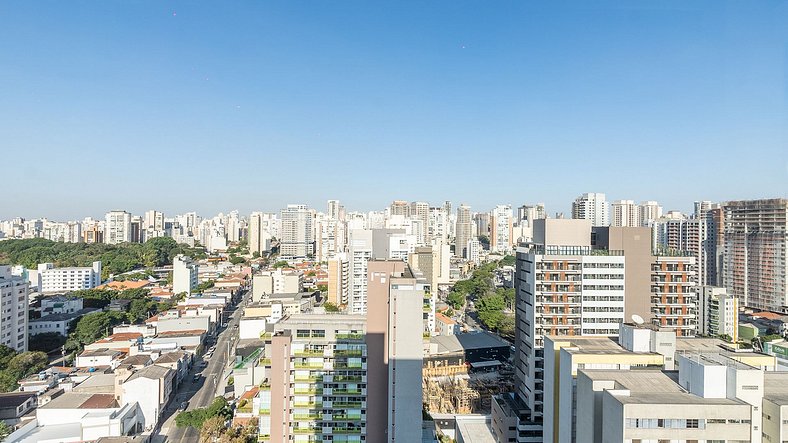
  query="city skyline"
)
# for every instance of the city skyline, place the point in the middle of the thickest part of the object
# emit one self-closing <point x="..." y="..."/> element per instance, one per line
<point x="145" y="105"/>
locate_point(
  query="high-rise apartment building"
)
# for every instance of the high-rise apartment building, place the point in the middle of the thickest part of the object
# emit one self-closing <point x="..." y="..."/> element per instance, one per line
<point x="318" y="385"/>
<point x="349" y="378"/>
<point x="339" y="279"/>
<point x="501" y="229"/>
<point x="153" y="224"/>
<point x="674" y="294"/>
<point x="359" y="254"/>
<point x="650" y="211"/>
<point x="395" y="348"/>
<point x="400" y="207"/>
<point x="184" y="274"/>
<point x="563" y="287"/>
<point x="463" y="230"/>
<point x="719" y="313"/>
<point x="14" y="292"/>
<point x="117" y="227"/>
<point x="260" y="232"/>
<point x="335" y="210"/>
<point x="296" y="234"/>
<point x="592" y="206"/>
<point x="755" y="266"/>
<point x="625" y="213"/>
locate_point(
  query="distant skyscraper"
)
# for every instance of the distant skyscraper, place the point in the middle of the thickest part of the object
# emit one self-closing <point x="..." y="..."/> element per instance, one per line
<point x="501" y="232"/>
<point x="400" y="207"/>
<point x="591" y="206"/>
<point x="333" y="209"/>
<point x="117" y="227"/>
<point x="755" y="239"/>
<point x="296" y="234"/>
<point x="463" y="230"/>
<point x="625" y="214"/>
<point x="650" y="211"/>
<point x="259" y="234"/>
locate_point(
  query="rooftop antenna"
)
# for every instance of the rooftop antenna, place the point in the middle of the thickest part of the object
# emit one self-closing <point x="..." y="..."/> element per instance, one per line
<point x="638" y="320"/>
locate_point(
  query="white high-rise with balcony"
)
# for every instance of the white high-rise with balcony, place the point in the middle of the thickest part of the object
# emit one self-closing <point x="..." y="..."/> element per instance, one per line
<point x="117" y="227"/>
<point x="592" y="206"/>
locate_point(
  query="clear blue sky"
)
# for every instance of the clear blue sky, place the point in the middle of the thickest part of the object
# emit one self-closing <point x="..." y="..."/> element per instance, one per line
<point x="212" y="106"/>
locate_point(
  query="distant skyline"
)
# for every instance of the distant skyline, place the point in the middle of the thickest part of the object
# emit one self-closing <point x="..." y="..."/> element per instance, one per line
<point x="253" y="105"/>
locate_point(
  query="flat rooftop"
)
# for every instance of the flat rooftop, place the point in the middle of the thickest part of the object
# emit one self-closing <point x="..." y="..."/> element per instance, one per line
<point x="79" y="400"/>
<point x="468" y="341"/>
<point x="653" y="387"/>
<point x="592" y="345"/>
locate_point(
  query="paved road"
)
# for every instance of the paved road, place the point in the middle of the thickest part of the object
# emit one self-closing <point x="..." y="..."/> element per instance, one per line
<point x="202" y="393"/>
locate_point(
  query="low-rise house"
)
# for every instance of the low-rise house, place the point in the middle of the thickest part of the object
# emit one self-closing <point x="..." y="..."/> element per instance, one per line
<point x="101" y="357"/>
<point x="119" y="305"/>
<point x="60" y="304"/>
<point x="121" y="342"/>
<point x="14" y="405"/>
<point x="445" y="325"/>
<point x="137" y="361"/>
<point x="144" y="330"/>
<point x="178" y="361"/>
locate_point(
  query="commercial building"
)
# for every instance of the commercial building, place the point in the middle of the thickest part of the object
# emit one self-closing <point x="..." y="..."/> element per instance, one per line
<point x="53" y="279"/>
<point x="117" y="227"/>
<point x="296" y="236"/>
<point x="14" y="292"/>
<point x="184" y="274"/>
<point x="592" y="206"/>
<point x="755" y="268"/>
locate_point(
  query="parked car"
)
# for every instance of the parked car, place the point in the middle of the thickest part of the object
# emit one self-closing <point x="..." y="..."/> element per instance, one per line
<point x="183" y="406"/>
<point x="196" y="378"/>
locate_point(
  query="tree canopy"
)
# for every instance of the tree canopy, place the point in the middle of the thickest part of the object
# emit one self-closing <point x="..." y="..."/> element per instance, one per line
<point x="197" y="417"/>
<point x="115" y="259"/>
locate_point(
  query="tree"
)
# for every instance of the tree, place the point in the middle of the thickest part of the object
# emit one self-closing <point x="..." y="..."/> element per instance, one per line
<point x="5" y="430"/>
<point x="508" y="260"/>
<point x="26" y="363"/>
<point x="212" y="428"/>
<point x="234" y="259"/>
<point x="93" y="327"/>
<point x="46" y="341"/>
<point x="195" y="418"/>
<point x="330" y="307"/>
<point x="322" y="288"/>
<point x="6" y="354"/>
<point x="256" y="254"/>
<point x="8" y="382"/>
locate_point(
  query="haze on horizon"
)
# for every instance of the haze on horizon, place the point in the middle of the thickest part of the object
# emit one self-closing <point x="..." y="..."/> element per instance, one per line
<point x="210" y="107"/>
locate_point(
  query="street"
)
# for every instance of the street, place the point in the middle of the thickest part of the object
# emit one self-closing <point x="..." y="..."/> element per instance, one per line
<point x="201" y="393"/>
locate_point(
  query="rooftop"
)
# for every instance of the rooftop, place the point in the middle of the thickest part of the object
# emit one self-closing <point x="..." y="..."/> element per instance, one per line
<point x="467" y="341"/>
<point x="775" y="387"/>
<point x="123" y="285"/>
<point x="152" y="372"/>
<point x="14" y="399"/>
<point x="121" y="336"/>
<point x="64" y="317"/>
<point x="186" y="333"/>
<point x="82" y="400"/>
<point x="170" y="357"/>
<point x="444" y="319"/>
<point x="653" y="387"/>
<point x="136" y="360"/>
<point x="101" y="352"/>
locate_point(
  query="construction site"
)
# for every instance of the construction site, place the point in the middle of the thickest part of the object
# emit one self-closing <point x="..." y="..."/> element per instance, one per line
<point x="465" y="393"/>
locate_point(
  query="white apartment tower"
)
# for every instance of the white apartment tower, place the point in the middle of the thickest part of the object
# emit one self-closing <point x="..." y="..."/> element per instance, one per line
<point x="184" y="274"/>
<point x="501" y="229"/>
<point x="592" y="206"/>
<point x="117" y="227"/>
<point x="14" y="293"/>
<point x="259" y="232"/>
<point x="296" y="233"/>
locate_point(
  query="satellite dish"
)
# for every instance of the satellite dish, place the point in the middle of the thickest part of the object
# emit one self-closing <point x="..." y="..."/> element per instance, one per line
<point x="637" y="319"/>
